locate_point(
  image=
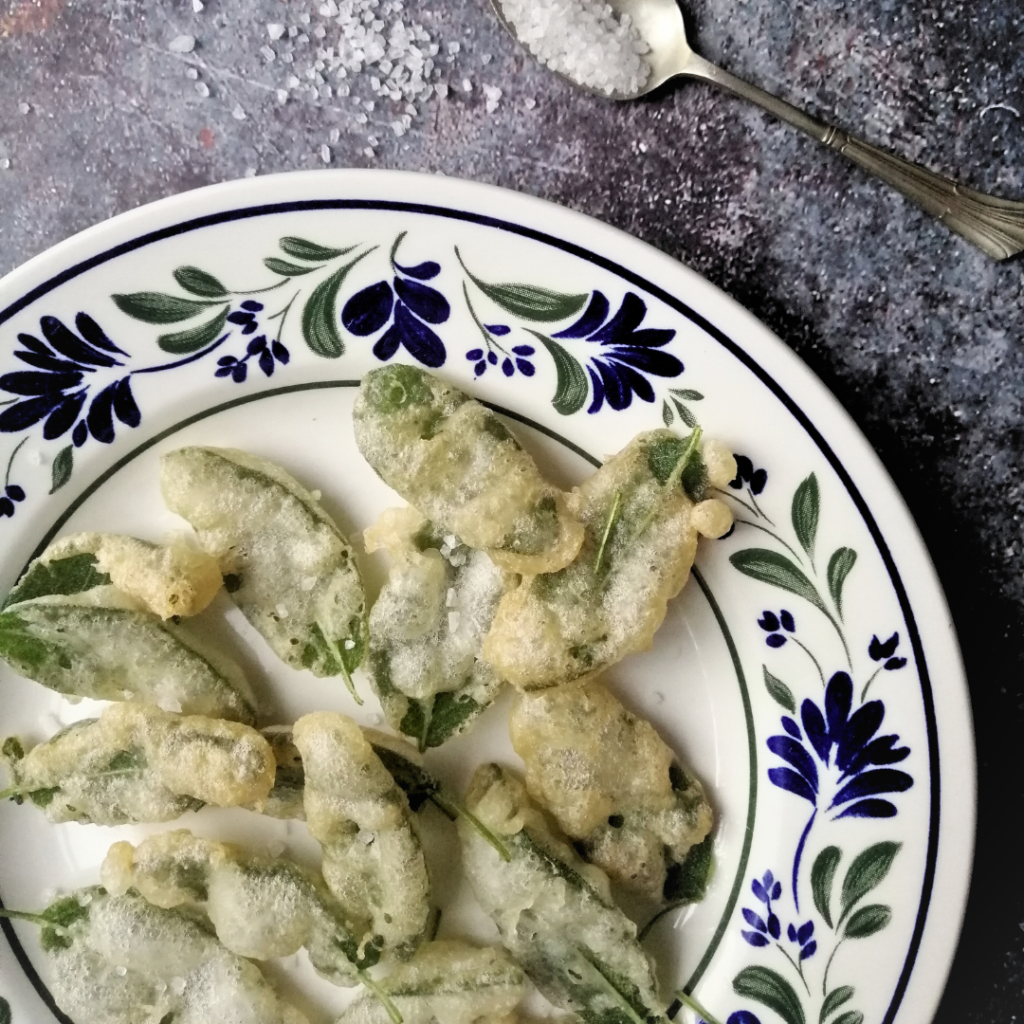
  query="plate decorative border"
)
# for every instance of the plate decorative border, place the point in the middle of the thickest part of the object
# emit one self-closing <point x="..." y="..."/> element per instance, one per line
<point x="829" y="749"/>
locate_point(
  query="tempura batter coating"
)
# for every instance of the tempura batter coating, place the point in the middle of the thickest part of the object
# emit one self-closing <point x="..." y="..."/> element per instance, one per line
<point x="446" y="982"/>
<point x="137" y="763"/>
<point x="102" y="643"/>
<point x="169" y="579"/>
<point x="553" y="910"/>
<point x="285" y="563"/>
<point x="119" y="960"/>
<point x="427" y="628"/>
<point x="611" y="782"/>
<point x="373" y="861"/>
<point x="260" y="907"/>
<point x="458" y="464"/>
<point x="641" y="537"/>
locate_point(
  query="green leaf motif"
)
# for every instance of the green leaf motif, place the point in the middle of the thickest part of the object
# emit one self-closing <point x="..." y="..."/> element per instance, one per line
<point x="822" y="875"/>
<point x="867" y="921"/>
<point x="528" y="302"/>
<point x="667" y="415"/>
<point x="60" y="472"/>
<point x="158" y="308"/>
<point x="839" y="566"/>
<point x="302" y="249"/>
<point x="776" y="570"/>
<point x="866" y="872"/>
<point x="320" y="314"/>
<point x="319" y="318"/>
<point x="182" y="343"/>
<point x="531" y="303"/>
<point x="779" y="691"/>
<point x="765" y="986"/>
<point x="685" y="415"/>
<point x="73" y="575"/>
<point x="199" y="282"/>
<point x="686" y="394"/>
<point x="5" y="1011"/>
<point x="850" y="1017"/>
<point x="834" y="1000"/>
<point x="573" y="389"/>
<point x="286" y="269"/>
<point x="805" y="512"/>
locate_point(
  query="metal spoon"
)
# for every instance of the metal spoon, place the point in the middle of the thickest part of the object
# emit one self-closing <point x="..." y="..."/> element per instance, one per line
<point x="995" y="226"/>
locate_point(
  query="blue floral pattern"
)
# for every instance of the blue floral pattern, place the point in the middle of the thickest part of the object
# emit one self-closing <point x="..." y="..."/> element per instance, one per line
<point x="628" y="352"/>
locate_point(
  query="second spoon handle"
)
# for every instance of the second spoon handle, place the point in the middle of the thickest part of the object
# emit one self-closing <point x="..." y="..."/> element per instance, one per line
<point x="995" y="226"/>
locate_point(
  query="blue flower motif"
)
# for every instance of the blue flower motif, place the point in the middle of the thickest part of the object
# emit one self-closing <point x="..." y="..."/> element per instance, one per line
<point x="12" y="493"/>
<point x="743" y="1017"/>
<point x="266" y="356"/>
<point x="861" y="758"/>
<point x="747" y="474"/>
<point x="408" y="306"/>
<point x="879" y="651"/>
<point x="628" y="352"/>
<point x="804" y="938"/>
<point x="770" y="623"/>
<point x="517" y="359"/>
<point x="765" y="926"/>
<point x="245" y="317"/>
<point x="56" y="389"/>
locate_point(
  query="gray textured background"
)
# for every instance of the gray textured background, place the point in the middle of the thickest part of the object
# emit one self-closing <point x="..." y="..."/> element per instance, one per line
<point x="918" y="335"/>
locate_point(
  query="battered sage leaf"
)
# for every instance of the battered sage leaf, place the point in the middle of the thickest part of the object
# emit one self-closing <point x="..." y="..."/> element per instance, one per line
<point x="641" y="517"/>
<point x="446" y="982"/>
<point x="554" y="911"/>
<point x="120" y="960"/>
<point x="100" y="644"/>
<point x="372" y="858"/>
<point x="427" y="628"/>
<point x="292" y="572"/>
<point x="260" y="907"/>
<point x="460" y="466"/>
<point x="137" y="763"/>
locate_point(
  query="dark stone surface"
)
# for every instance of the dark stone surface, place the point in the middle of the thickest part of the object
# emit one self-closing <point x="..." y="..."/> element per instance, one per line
<point x="920" y="336"/>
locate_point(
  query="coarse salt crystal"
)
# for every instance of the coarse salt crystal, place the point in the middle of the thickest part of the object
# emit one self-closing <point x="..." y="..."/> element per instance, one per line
<point x="5" y="164"/>
<point x="275" y="30"/>
<point x="203" y="89"/>
<point x="268" y="53"/>
<point x="238" y="113"/>
<point x="282" y="95"/>
<point x="197" y="5"/>
<point x="334" y="135"/>
<point x="182" y="44"/>
<point x="23" y="108"/>
<point x="325" y="153"/>
<point x="585" y="40"/>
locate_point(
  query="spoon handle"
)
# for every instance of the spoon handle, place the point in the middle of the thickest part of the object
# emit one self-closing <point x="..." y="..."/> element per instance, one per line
<point x="996" y="226"/>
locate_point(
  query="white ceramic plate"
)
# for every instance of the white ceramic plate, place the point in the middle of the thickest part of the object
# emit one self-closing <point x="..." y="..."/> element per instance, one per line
<point x="237" y="325"/>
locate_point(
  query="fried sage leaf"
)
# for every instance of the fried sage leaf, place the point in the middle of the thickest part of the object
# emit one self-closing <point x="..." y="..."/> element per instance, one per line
<point x="458" y="464"/>
<point x="102" y="643"/>
<point x="446" y="982"/>
<point x="372" y="858"/>
<point x="120" y="960"/>
<point x="260" y="907"/>
<point x="427" y="628"/>
<point x="554" y="911"/>
<point x="285" y="563"/>
<point x="168" y="579"/>
<point x="137" y="763"/>
<point x="641" y="528"/>
<point x="611" y="783"/>
<point x="402" y="762"/>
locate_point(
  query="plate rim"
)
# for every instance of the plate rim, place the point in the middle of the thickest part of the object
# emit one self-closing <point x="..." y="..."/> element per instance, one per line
<point x="950" y="853"/>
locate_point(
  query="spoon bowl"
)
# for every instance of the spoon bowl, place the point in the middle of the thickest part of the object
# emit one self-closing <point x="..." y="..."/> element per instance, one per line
<point x="996" y="226"/>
